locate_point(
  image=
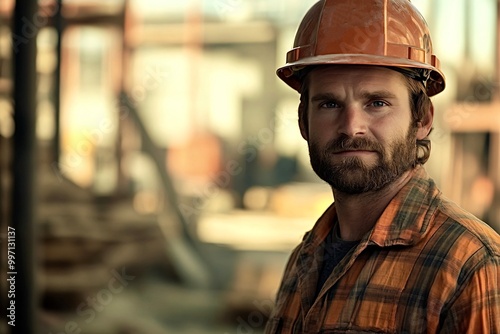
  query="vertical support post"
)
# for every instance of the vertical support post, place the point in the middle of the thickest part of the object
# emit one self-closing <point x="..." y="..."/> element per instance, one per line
<point x="58" y="24"/>
<point x="497" y="95"/>
<point x="495" y="137"/>
<point x="193" y="43"/>
<point x="24" y="35"/>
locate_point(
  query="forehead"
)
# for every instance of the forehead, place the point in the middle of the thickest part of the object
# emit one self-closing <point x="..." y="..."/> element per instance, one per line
<point x="362" y="77"/>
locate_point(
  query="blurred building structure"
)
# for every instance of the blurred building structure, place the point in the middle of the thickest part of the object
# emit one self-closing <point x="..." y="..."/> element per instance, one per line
<point x="167" y="145"/>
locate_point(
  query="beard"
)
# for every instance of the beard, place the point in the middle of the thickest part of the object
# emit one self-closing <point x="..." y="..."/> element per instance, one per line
<point x="351" y="175"/>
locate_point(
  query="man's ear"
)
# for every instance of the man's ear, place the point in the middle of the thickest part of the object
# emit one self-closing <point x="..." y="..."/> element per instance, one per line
<point x="304" y="131"/>
<point x="425" y="125"/>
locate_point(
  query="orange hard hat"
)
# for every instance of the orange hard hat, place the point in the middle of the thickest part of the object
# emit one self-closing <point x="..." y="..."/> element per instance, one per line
<point x="389" y="33"/>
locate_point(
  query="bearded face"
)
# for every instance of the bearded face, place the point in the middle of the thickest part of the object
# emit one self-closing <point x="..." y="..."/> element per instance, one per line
<point x="359" y="126"/>
<point x="351" y="174"/>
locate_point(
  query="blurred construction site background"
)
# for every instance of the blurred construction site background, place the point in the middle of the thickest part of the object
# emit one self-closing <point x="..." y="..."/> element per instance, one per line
<point x="169" y="181"/>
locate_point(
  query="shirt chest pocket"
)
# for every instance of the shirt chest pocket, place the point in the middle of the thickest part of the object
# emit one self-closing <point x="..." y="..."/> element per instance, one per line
<point x="367" y="310"/>
<point x="368" y="305"/>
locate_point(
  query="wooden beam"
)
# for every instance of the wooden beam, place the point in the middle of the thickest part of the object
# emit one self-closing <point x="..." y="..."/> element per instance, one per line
<point x="473" y="117"/>
<point x="212" y="33"/>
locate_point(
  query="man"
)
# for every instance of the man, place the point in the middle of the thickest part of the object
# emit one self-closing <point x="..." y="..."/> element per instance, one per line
<point x="391" y="254"/>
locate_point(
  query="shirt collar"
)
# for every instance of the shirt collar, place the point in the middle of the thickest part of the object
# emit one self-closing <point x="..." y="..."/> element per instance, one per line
<point x="403" y="222"/>
<point x="406" y="218"/>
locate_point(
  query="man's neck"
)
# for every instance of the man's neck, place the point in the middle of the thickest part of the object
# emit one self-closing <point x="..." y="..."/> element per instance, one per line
<point x="357" y="214"/>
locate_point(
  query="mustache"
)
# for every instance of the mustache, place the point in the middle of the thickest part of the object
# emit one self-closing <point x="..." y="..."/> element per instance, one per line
<point x="345" y="143"/>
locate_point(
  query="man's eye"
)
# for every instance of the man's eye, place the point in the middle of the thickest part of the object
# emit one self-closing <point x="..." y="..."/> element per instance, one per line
<point x="329" y="105"/>
<point x="378" y="104"/>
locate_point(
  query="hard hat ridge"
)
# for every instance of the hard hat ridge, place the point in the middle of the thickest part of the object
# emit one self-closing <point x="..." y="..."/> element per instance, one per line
<point x="389" y="33"/>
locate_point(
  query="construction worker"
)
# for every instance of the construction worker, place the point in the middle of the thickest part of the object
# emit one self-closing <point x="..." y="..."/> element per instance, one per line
<point x="391" y="254"/>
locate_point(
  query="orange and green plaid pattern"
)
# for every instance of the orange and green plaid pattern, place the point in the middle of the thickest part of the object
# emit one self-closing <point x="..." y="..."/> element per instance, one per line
<point x="427" y="266"/>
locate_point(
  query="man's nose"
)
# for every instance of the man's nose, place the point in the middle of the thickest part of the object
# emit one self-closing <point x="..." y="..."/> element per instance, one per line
<point x="353" y="121"/>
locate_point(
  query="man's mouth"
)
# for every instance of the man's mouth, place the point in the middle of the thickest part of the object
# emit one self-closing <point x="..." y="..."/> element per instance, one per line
<point x="353" y="151"/>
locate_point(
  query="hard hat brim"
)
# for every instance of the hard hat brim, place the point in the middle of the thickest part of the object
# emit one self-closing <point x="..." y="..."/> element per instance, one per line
<point x="288" y="73"/>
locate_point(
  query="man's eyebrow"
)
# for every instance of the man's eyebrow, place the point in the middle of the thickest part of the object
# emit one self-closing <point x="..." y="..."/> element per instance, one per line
<point x="367" y="95"/>
<point x="378" y="94"/>
<point x="324" y="96"/>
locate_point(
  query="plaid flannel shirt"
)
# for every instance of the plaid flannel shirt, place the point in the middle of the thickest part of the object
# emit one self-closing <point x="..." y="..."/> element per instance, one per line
<point x="427" y="266"/>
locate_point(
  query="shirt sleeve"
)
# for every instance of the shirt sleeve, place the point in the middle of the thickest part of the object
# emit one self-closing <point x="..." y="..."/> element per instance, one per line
<point x="275" y="321"/>
<point x="477" y="307"/>
<point x="290" y="266"/>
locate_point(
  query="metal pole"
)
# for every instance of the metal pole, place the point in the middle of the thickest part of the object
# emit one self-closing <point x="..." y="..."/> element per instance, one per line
<point x="24" y="35"/>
